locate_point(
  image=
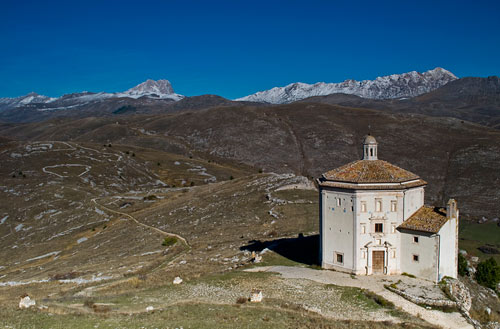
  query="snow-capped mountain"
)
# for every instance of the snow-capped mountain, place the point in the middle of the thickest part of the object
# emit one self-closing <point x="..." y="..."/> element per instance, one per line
<point x="24" y="100"/>
<point x="392" y="86"/>
<point x="152" y="88"/>
<point x="160" y="89"/>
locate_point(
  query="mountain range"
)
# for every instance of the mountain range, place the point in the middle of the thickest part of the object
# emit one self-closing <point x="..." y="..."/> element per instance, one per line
<point x="409" y="84"/>
<point x="159" y="90"/>
<point x="437" y="92"/>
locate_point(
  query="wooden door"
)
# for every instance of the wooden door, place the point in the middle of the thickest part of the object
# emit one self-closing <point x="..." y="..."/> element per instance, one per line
<point x="378" y="262"/>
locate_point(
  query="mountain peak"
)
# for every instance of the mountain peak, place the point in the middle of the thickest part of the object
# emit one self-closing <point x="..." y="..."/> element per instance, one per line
<point x="408" y="84"/>
<point x="148" y="87"/>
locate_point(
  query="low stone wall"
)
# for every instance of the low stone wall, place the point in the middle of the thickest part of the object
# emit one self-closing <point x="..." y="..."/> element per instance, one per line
<point x="421" y="300"/>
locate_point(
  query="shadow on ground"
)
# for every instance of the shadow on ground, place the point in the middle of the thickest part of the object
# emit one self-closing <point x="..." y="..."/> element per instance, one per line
<point x="303" y="249"/>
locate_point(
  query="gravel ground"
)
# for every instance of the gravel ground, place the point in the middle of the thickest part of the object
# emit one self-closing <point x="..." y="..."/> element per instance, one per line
<point x="376" y="285"/>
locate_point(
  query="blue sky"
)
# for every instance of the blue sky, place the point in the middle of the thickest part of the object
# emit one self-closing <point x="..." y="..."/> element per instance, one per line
<point x="235" y="48"/>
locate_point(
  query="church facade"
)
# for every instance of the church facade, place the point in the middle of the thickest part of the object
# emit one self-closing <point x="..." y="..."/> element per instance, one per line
<point x="373" y="221"/>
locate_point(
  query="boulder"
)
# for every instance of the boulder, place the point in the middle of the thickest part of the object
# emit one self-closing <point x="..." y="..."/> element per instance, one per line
<point x="256" y="296"/>
<point x="177" y="280"/>
<point x="26" y="302"/>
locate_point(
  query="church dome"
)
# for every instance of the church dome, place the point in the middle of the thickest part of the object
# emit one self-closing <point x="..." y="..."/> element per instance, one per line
<point x="369" y="139"/>
<point x="370" y="172"/>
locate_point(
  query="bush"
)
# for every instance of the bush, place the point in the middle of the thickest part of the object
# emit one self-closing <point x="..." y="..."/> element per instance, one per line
<point x="488" y="273"/>
<point x="88" y="303"/>
<point x="169" y="241"/>
<point x="408" y="275"/>
<point x="241" y="300"/>
<point x="378" y="299"/>
<point x="463" y="270"/>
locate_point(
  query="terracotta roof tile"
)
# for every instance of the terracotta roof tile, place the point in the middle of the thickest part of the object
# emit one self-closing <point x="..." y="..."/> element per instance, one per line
<point x="426" y="219"/>
<point x="370" y="171"/>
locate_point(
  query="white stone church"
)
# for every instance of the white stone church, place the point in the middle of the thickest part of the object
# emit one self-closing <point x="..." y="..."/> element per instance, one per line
<point x="373" y="221"/>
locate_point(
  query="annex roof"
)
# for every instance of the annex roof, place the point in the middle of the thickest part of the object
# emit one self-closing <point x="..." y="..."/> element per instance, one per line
<point x="426" y="219"/>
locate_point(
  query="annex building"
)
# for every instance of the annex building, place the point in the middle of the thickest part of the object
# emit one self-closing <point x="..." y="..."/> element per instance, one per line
<point x="373" y="221"/>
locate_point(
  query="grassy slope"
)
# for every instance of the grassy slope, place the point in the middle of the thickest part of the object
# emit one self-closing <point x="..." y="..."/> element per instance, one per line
<point x="473" y="235"/>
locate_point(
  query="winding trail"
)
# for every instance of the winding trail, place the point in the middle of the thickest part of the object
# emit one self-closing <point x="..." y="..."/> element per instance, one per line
<point x="142" y="224"/>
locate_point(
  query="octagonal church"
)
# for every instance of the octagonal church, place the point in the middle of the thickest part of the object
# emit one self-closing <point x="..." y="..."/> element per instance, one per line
<point x="373" y="221"/>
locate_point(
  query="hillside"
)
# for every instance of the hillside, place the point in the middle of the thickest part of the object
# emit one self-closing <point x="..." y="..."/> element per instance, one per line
<point x="458" y="159"/>
<point x="472" y="99"/>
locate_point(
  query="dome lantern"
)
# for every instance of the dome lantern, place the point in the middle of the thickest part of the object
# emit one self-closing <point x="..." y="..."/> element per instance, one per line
<point x="370" y="148"/>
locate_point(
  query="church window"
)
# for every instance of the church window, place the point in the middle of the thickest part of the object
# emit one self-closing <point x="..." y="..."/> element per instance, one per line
<point x="371" y="152"/>
<point x="415" y="258"/>
<point x="363" y="229"/>
<point x="363" y="206"/>
<point x="415" y="239"/>
<point x="379" y="228"/>
<point x="393" y="254"/>
<point x="393" y="206"/>
<point x="363" y="254"/>
<point x="393" y="228"/>
<point x="378" y="205"/>
<point x="339" y="258"/>
<point x="338" y="202"/>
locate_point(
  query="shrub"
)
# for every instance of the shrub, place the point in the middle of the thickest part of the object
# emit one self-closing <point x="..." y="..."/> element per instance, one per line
<point x="88" y="303"/>
<point x="241" y="300"/>
<point x="408" y="275"/>
<point x="192" y="183"/>
<point x="488" y="273"/>
<point x="378" y="299"/>
<point x="65" y="276"/>
<point x="463" y="270"/>
<point x="101" y="308"/>
<point x="231" y="177"/>
<point x="260" y="171"/>
<point x="169" y="241"/>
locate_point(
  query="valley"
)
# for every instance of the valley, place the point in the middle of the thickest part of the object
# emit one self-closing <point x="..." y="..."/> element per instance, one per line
<point x="107" y="206"/>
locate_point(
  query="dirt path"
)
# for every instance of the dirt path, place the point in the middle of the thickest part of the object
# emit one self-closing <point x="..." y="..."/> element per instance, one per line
<point x="376" y="285"/>
<point x="141" y="224"/>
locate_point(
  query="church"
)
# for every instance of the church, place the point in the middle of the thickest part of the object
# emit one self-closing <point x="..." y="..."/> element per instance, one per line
<point x="373" y="221"/>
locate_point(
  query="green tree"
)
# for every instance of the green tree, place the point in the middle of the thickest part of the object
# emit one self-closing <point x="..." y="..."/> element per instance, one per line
<point x="488" y="273"/>
<point x="463" y="270"/>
